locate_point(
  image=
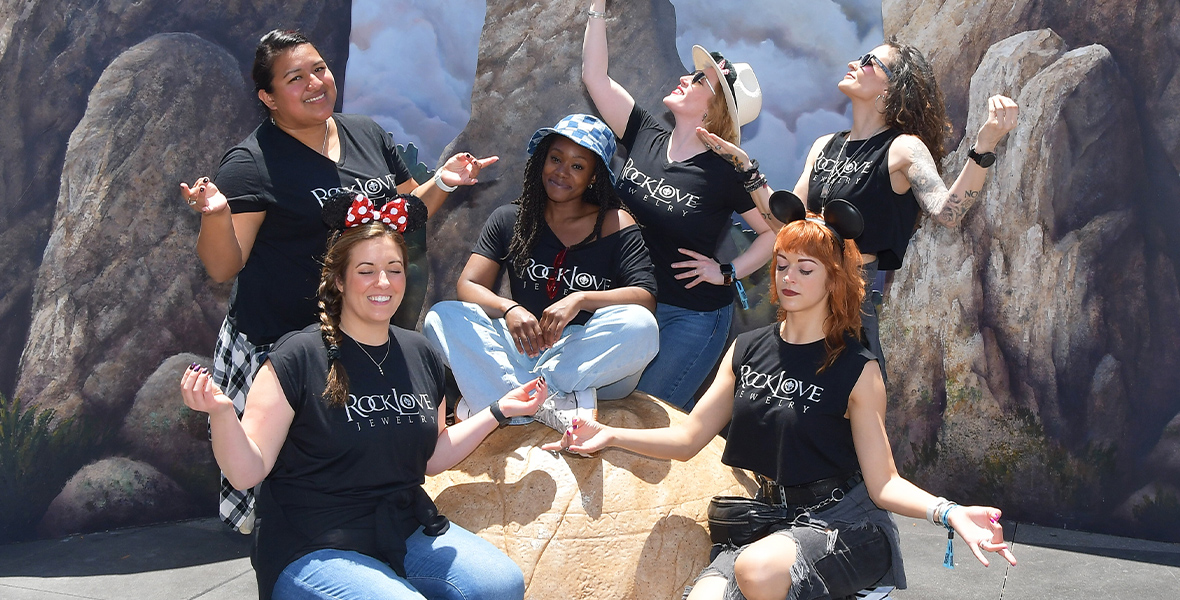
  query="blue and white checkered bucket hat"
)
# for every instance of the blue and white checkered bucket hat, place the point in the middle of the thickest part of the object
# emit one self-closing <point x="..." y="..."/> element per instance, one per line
<point x="587" y="131"/>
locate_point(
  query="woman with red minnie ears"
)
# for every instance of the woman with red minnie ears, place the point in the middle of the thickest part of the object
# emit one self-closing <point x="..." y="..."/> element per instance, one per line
<point x="805" y="404"/>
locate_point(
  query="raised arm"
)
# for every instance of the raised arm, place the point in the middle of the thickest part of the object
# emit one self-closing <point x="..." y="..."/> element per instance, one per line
<point x="245" y="450"/>
<point x="911" y="158"/>
<point x="460" y="169"/>
<point x="977" y="525"/>
<point x="456" y="442"/>
<point x="679" y="442"/>
<point x="613" y="102"/>
<point x="225" y="239"/>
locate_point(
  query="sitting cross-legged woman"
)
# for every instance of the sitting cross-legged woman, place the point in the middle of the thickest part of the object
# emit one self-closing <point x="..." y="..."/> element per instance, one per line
<point x="341" y="427"/>
<point x="806" y="408"/>
<point x="582" y="286"/>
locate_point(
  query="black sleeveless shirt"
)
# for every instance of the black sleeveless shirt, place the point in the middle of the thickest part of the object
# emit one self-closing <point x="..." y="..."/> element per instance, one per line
<point x="862" y="178"/>
<point x="788" y="421"/>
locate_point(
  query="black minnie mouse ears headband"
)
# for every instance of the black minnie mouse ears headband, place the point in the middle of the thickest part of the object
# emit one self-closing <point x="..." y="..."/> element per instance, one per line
<point x="345" y="209"/>
<point x="839" y="216"/>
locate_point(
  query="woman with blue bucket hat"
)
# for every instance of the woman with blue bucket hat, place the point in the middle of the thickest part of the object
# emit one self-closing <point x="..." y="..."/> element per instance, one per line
<point x="581" y="309"/>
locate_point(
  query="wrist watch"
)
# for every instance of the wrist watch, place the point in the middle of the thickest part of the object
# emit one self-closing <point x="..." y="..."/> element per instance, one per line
<point x="984" y="160"/>
<point x="727" y="274"/>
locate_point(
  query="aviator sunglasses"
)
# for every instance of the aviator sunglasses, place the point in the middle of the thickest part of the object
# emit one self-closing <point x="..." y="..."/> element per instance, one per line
<point x="869" y="60"/>
<point x="698" y="77"/>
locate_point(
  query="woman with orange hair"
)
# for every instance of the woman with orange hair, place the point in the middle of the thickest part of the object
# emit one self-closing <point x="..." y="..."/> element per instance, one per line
<point x="806" y="406"/>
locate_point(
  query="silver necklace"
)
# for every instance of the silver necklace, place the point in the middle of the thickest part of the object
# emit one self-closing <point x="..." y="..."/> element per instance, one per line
<point x="826" y="190"/>
<point x="375" y="363"/>
<point x="324" y="146"/>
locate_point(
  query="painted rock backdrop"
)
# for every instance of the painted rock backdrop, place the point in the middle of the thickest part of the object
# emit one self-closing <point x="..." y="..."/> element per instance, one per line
<point x="1034" y="351"/>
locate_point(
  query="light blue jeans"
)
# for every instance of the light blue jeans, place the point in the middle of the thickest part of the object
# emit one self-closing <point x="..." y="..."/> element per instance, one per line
<point x="691" y="341"/>
<point x="457" y="565"/>
<point x="608" y="353"/>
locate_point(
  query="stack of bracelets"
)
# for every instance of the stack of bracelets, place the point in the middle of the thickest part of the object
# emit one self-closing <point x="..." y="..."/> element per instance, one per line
<point x="754" y="179"/>
<point x="937" y="514"/>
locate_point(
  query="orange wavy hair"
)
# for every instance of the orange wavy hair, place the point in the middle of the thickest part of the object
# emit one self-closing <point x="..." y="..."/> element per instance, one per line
<point x="846" y="288"/>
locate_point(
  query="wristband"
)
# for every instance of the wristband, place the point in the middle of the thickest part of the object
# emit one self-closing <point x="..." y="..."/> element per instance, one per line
<point x="440" y="184"/>
<point x="499" y="414"/>
<point x="753" y="166"/>
<point x="934" y="506"/>
<point x="594" y="14"/>
<point x="755" y="183"/>
<point x="510" y="309"/>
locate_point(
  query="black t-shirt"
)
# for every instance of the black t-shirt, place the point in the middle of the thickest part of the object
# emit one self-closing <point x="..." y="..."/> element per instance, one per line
<point x="862" y="178"/>
<point x="339" y="464"/>
<point x="614" y="261"/>
<point x="271" y="171"/>
<point x="684" y="204"/>
<point x="788" y="421"/>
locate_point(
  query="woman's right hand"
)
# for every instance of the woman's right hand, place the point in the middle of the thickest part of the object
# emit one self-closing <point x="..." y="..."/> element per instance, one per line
<point x="583" y="437"/>
<point x="526" y="331"/>
<point x="200" y="393"/>
<point x="203" y="196"/>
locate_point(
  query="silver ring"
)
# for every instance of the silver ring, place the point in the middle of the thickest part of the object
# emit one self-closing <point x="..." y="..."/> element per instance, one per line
<point x="192" y="202"/>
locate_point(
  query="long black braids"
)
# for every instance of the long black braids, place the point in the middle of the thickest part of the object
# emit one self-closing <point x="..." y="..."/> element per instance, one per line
<point x="533" y="199"/>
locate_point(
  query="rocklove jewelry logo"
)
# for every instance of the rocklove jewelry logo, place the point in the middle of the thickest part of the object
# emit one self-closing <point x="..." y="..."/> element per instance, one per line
<point x="572" y="280"/>
<point x="779" y="387"/>
<point x="388" y="409"/>
<point x="656" y="189"/>
<point x="376" y="188"/>
<point x="845" y="169"/>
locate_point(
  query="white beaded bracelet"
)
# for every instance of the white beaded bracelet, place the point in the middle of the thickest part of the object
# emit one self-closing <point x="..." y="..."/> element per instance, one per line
<point x="440" y="184"/>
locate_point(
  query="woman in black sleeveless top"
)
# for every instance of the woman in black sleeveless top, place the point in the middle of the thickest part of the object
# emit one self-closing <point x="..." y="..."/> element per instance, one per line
<point x="806" y="407"/>
<point x="889" y="165"/>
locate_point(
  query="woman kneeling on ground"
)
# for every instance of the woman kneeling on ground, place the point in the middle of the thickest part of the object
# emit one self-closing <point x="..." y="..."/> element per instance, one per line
<point x="807" y="406"/>
<point x="582" y="286"/>
<point x="342" y="426"/>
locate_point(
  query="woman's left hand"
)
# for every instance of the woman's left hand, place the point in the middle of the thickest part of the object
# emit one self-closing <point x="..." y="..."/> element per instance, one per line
<point x="526" y="399"/>
<point x="702" y="268"/>
<point x="463" y="168"/>
<point x="979" y="527"/>
<point x="731" y="153"/>
<point x="559" y="314"/>
<point x="1002" y="113"/>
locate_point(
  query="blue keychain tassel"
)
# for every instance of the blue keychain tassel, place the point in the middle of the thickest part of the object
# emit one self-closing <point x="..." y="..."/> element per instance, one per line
<point x="948" y="559"/>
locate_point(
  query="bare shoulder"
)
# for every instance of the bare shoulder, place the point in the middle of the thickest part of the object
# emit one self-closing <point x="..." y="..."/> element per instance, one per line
<point x="616" y="220"/>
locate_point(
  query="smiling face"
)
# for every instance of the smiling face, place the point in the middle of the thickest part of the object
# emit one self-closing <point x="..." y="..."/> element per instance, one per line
<point x="693" y="98"/>
<point x="568" y="170"/>
<point x="868" y="81"/>
<point x="373" y="285"/>
<point x="801" y="282"/>
<point x="303" y="91"/>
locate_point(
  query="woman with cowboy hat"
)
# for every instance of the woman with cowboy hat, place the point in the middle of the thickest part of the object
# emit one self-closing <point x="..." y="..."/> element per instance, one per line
<point x="805" y="405"/>
<point x="260" y="218"/>
<point x="683" y="196"/>
<point x="341" y="427"/>
<point x="889" y="164"/>
<point x="582" y="290"/>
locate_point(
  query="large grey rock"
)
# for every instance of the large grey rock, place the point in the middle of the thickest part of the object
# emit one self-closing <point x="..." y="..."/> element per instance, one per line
<point x="119" y="286"/>
<point x="159" y="429"/>
<point x="112" y="493"/>
<point x="528" y="76"/>
<point x="51" y="56"/>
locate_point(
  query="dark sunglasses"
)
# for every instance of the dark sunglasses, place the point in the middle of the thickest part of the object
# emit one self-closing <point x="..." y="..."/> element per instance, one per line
<point x="551" y="286"/>
<point x="869" y="60"/>
<point x="699" y="76"/>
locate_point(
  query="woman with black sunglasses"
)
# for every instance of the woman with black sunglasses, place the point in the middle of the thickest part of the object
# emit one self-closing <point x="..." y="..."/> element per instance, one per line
<point x="889" y="165"/>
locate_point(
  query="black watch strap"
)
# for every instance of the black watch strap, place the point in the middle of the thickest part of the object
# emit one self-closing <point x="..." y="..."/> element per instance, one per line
<point x="499" y="414"/>
<point x="984" y="160"/>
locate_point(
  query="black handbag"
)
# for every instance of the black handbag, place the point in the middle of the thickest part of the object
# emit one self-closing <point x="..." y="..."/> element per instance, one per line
<point x="739" y="521"/>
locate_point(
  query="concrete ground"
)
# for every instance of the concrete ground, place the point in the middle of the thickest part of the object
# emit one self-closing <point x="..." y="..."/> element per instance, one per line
<point x="201" y="559"/>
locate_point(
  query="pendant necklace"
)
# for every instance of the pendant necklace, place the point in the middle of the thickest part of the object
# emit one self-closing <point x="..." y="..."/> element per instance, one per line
<point x="375" y="363"/>
<point x="826" y="190"/>
<point x="324" y="146"/>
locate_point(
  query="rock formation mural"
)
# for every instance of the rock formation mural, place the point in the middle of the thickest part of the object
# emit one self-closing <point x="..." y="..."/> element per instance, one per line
<point x="1040" y="341"/>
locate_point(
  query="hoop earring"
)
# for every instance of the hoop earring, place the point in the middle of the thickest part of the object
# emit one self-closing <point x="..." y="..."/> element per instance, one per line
<point x="879" y="97"/>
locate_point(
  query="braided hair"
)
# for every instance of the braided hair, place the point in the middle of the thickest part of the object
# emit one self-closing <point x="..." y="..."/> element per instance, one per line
<point x="533" y="199"/>
<point x="331" y="299"/>
<point x="914" y="103"/>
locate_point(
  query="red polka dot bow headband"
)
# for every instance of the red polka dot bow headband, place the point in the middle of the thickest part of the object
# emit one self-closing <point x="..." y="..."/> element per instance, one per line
<point x="393" y="213"/>
<point x="343" y="210"/>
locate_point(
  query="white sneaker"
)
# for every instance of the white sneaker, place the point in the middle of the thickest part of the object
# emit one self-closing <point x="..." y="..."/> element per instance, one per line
<point x="462" y="410"/>
<point x="587" y="403"/>
<point x="558" y="411"/>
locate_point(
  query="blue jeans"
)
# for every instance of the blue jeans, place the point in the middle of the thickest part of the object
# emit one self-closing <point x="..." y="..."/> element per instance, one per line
<point x="607" y="353"/>
<point x="457" y="565"/>
<point x="690" y="344"/>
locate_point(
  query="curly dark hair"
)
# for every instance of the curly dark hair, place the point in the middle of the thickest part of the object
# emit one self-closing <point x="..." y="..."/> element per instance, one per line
<point x="914" y="103"/>
<point x="331" y="299"/>
<point x="533" y="198"/>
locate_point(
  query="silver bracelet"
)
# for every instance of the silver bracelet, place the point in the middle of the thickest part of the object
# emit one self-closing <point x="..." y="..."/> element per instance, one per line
<point x="933" y="508"/>
<point x="440" y="184"/>
<point x="595" y="14"/>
